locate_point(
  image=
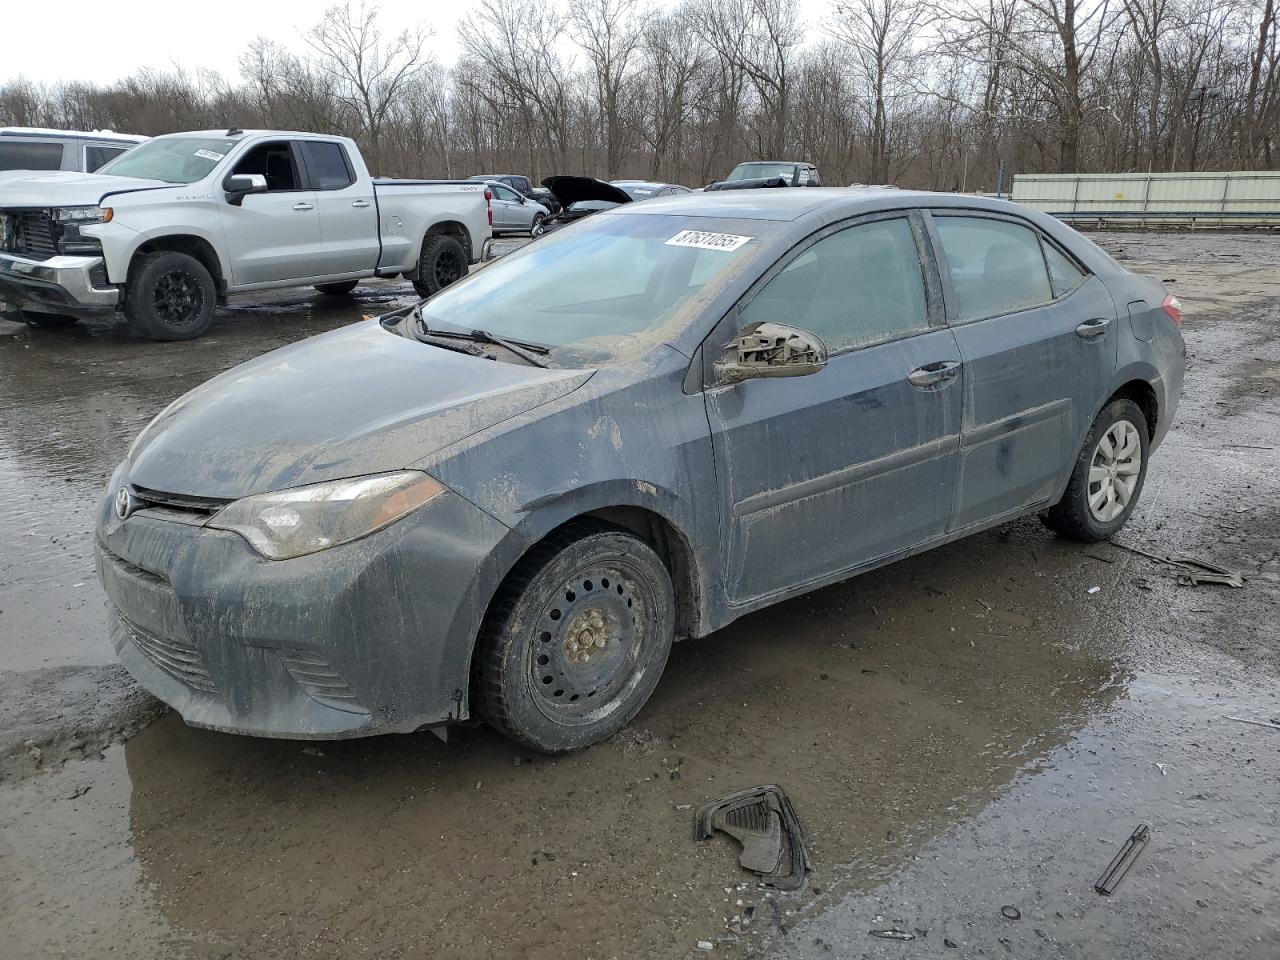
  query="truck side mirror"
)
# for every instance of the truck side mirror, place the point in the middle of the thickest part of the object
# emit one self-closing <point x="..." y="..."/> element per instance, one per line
<point x="240" y="185"/>
<point x="771" y="350"/>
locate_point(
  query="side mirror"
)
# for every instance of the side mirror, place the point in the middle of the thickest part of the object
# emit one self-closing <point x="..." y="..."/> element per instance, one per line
<point x="240" y="185"/>
<point x="771" y="350"/>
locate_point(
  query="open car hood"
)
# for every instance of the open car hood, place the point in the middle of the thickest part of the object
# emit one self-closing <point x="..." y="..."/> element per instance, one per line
<point x="572" y="189"/>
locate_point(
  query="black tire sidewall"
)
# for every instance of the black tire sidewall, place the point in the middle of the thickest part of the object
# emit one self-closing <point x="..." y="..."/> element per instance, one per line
<point x="539" y="225"/>
<point x="517" y="637"/>
<point x="433" y="248"/>
<point x="1072" y="516"/>
<point x="139" y="300"/>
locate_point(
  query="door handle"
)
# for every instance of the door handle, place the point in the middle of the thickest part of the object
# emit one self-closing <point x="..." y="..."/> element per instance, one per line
<point x="932" y="374"/>
<point x="360" y="203"/>
<point x="303" y="206"/>
<point x="1092" y="329"/>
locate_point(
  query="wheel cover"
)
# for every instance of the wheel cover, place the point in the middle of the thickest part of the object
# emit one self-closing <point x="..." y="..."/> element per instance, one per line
<point x="178" y="298"/>
<point x="1114" y="471"/>
<point x="539" y="226"/>
<point x="588" y="642"/>
<point x="449" y="267"/>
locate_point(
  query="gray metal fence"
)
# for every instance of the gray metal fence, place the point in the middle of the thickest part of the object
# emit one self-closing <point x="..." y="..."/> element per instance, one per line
<point x="1236" y="199"/>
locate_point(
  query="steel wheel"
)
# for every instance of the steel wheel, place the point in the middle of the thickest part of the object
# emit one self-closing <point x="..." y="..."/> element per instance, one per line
<point x="177" y="298"/>
<point x="1114" y="471"/>
<point x="592" y="631"/>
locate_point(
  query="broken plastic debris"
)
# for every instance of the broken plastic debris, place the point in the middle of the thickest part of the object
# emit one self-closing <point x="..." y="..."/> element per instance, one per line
<point x="763" y="821"/>
<point x="1274" y="725"/>
<point x="1123" y="860"/>
<point x="706" y="945"/>
<point x="1193" y="570"/>
<point x="1011" y="912"/>
<point x="893" y="933"/>
<point x="1094" y="589"/>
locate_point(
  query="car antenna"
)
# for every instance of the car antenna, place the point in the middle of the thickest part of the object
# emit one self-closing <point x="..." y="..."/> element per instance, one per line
<point x="234" y="132"/>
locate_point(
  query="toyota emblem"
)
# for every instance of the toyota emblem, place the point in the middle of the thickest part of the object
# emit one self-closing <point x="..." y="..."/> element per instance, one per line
<point x="124" y="503"/>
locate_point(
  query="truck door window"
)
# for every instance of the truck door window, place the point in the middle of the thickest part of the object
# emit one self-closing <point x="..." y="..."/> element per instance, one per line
<point x="29" y="155"/>
<point x="327" y="164"/>
<point x="95" y="155"/>
<point x="273" y="160"/>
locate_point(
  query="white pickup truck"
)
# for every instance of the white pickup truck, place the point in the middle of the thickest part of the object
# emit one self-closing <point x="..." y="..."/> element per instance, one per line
<point x="164" y="233"/>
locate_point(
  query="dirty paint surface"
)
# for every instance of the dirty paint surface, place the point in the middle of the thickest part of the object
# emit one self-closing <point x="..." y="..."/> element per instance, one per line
<point x="964" y="730"/>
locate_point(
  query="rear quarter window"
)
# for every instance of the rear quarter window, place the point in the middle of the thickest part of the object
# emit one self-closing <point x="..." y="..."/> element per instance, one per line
<point x="30" y="155"/>
<point x="95" y="155"/>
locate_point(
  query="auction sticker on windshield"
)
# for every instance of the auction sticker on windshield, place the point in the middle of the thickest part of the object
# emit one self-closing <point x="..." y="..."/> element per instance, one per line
<point x="209" y="155"/>
<point x="707" y="241"/>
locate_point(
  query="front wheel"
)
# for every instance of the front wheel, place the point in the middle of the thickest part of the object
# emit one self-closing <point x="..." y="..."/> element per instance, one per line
<point x="1107" y="478"/>
<point x="170" y="296"/>
<point x="442" y="262"/>
<point x="539" y="226"/>
<point x="576" y="640"/>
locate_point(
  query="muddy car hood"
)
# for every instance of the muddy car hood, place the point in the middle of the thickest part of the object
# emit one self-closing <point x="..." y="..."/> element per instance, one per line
<point x="355" y="401"/>
<point x="65" y="188"/>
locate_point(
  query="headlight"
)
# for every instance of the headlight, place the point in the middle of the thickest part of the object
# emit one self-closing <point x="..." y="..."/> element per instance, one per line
<point x="292" y="523"/>
<point x="83" y="214"/>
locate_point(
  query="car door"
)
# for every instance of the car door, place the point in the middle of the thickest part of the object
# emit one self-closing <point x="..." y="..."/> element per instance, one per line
<point x="347" y="209"/>
<point x="823" y="473"/>
<point x="508" y="213"/>
<point x="273" y="236"/>
<point x="1039" y="350"/>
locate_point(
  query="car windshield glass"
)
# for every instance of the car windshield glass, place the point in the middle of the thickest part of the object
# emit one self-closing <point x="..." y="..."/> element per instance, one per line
<point x="758" y="171"/>
<point x="172" y="159"/>
<point x="638" y="191"/>
<point x="602" y="291"/>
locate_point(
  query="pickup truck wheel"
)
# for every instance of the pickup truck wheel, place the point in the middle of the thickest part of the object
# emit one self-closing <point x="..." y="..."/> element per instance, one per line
<point x="338" y="289"/>
<point x="34" y="319"/>
<point x="170" y="296"/>
<point x="576" y="640"/>
<point x="1107" y="478"/>
<point x="443" y="261"/>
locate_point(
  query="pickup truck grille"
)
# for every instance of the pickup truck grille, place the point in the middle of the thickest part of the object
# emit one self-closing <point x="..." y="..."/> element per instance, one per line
<point x="29" y="233"/>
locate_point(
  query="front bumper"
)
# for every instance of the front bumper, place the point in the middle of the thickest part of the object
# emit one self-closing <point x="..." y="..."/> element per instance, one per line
<point x="62" y="284"/>
<point x="373" y="636"/>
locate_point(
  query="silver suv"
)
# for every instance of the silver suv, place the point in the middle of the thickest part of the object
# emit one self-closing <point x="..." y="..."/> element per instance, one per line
<point x="33" y="148"/>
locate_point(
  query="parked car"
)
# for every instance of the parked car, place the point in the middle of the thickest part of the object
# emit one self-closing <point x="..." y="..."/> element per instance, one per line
<point x="648" y="190"/>
<point x="580" y="197"/>
<point x="769" y="173"/>
<point x="523" y="186"/>
<point x="514" y="212"/>
<point x="36" y="148"/>
<point x="163" y="233"/>
<point x="642" y="428"/>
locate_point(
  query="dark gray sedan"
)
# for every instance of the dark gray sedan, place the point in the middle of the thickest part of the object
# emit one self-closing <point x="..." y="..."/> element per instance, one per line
<point x="509" y="500"/>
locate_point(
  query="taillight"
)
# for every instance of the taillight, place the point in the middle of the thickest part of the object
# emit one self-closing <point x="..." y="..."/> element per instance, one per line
<point x="488" y="204"/>
<point x="1173" y="307"/>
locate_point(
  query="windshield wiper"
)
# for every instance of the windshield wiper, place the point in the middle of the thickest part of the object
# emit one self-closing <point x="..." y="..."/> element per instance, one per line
<point x="522" y="349"/>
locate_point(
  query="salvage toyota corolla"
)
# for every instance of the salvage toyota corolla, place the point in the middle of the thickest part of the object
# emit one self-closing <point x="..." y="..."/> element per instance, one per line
<point x="506" y="501"/>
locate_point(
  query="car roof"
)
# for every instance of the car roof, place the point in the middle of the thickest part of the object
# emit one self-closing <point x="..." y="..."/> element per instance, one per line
<point x="47" y="133"/>
<point x="796" y="203"/>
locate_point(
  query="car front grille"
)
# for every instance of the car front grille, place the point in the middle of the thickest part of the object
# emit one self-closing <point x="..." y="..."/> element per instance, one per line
<point x="181" y="502"/>
<point x="180" y="660"/>
<point x="29" y="233"/>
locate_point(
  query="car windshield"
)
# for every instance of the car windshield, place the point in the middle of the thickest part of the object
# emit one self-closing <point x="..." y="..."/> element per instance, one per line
<point x="639" y="191"/>
<point x="172" y="159"/>
<point x="759" y="171"/>
<point x="602" y="291"/>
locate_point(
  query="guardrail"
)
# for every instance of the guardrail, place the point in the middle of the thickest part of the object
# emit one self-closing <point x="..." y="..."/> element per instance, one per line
<point x="1219" y="199"/>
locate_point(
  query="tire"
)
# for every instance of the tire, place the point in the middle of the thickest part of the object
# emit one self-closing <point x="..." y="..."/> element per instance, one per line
<point x="539" y="226"/>
<point x="534" y="680"/>
<point x="35" y="319"/>
<point x="1104" y="486"/>
<point x="338" y="289"/>
<point x="443" y="261"/>
<point x="170" y="296"/>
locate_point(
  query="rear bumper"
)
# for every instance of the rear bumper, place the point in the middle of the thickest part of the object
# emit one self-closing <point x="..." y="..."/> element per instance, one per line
<point x="373" y="636"/>
<point x="69" y="285"/>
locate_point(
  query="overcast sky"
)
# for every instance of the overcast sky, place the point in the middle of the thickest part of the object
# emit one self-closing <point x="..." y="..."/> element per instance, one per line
<point x="100" y="42"/>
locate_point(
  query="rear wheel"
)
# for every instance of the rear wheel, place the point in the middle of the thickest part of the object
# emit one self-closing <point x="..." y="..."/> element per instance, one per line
<point x="170" y="296"/>
<point x="338" y="289"/>
<point x="576" y="640"/>
<point x="443" y="261"/>
<point x="1107" y="478"/>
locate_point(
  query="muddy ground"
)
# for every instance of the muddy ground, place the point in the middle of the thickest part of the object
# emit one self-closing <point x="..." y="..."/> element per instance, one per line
<point x="963" y="731"/>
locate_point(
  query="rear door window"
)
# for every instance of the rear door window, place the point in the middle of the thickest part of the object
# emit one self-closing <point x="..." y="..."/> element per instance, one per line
<point x="1064" y="275"/>
<point x="996" y="266"/>
<point x="327" y="164"/>
<point x="95" y="155"/>
<point x="30" y="155"/>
